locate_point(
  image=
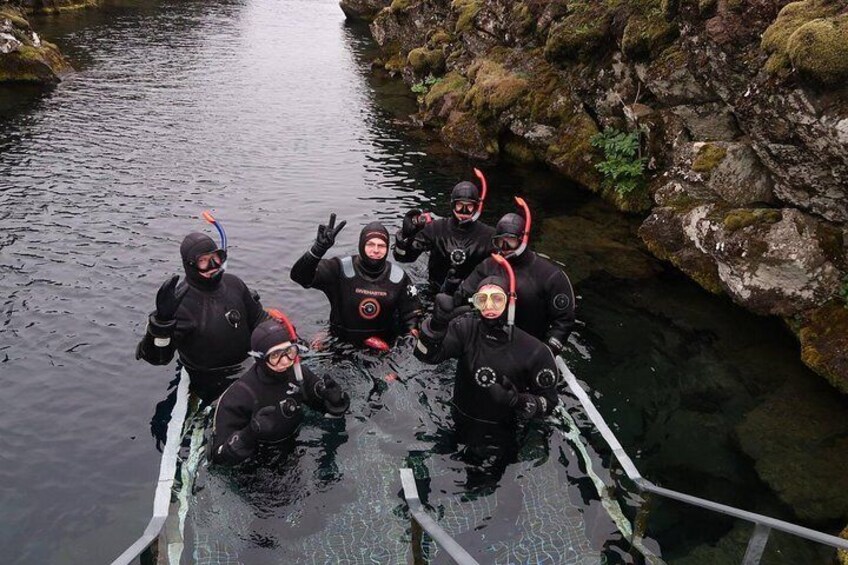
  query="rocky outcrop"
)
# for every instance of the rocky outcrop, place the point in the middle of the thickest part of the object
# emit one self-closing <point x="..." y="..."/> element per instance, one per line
<point x="363" y="10"/>
<point x="740" y="110"/>
<point x="24" y="56"/>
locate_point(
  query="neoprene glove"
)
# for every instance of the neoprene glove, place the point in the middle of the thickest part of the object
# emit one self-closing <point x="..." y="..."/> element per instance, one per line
<point x="411" y="225"/>
<point x="503" y="394"/>
<point x="452" y="282"/>
<point x="336" y="402"/>
<point x="527" y="406"/>
<point x="266" y="420"/>
<point x="168" y="299"/>
<point x="326" y="237"/>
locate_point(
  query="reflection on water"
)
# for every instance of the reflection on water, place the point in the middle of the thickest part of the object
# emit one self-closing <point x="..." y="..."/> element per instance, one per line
<point x="268" y="112"/>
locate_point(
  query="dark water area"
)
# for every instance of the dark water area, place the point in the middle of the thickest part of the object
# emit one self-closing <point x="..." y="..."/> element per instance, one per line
<point x="268" y="113"/>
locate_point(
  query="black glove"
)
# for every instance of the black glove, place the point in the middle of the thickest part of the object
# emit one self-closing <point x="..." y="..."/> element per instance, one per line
<point x="327" y="236"/>
<point x="336" y="402"/>
<point x="412" y="224"/>
<point x="168" y="299"/>
<point x="444" y="311"/>
<point x="266" y="420"/>
<point x="528" y="406"/>
<point x="452" y="282"/>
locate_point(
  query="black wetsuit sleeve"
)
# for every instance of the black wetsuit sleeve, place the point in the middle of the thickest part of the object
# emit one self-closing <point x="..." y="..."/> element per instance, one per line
<point x="158" y="345"/>
<point x="543" y="379"/>
<point x="409" y="249"/>
<point x="560" y="307"/>
<point x="312" y="272"/>
<point x="433" y="348"/>
<point x="409" y="307"/>
<point x="233" y="441"/>
<point x="310" y="380"/>
<point x="255" y="313"/>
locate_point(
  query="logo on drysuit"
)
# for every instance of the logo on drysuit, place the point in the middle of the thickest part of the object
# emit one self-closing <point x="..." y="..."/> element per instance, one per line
<point x="289" y="407"/>
<point x="233" y="317"/>
<point x="458" y="257"/>
<point x="545" y="378"/>
<point x="485" y="377"/>
<point x="561" y="301"/>
<point x="369" y="308"/>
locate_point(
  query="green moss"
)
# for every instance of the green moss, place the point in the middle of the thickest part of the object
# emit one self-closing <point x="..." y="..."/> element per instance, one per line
<point x="495" y="88"/>
<point x="439" y="38"/>
<point x="706" y="8"/>
<point x="523" y="18"/>
<point x="400" y="5"/>
<point x="572" y="153"/>
<point x="669" y="8"/>
<point x="423" y="60"/>
<point x="819" y="50"/>
<point x="396" y="63"/>
<point x="744" y="217"/>
<point x="708" y="158"/>
<point x="793" y="16"/>
<point x="582" y="33"/>
<point x="518" y="151"/>
<point x="736" y="6"/>
<point x="644" y="36"/>
<point x="466" y="11"/>
<point x="453" y="83"/>
<point x="15" y="16"/>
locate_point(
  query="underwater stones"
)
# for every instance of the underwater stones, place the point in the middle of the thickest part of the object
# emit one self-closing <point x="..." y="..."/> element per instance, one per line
<point x="798" y="439"/>
<point x="362" y="10"/>
<point x="824" y="343"/>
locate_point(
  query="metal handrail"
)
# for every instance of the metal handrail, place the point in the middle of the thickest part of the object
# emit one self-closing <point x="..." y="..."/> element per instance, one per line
<point x="433" y="529"/>
<point x="763" y="524"/>
<point x="167" y="471"/>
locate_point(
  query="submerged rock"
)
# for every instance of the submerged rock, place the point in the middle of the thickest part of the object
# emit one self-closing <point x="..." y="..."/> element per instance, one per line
<point x="363" y="10"/>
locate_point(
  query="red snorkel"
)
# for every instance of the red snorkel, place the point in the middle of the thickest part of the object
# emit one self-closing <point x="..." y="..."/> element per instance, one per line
<point x="482" y="177"/>
<point x="510" y="315"/>
<point x="527" y="222"/>
<point x="283" y="319"/>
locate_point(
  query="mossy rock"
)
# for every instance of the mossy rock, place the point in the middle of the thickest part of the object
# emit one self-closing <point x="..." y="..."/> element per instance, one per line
<point x="452" y="84"/>
<point x="15" y="16"/>
<point x="707" y="8"/>
<point x="464" y="134"/>
<point x="644" y="36"/>
<point x="579" y="35"/>
<point x="400" y="5"/>
<point x="708" y="158"/>
<point x="396" y="63"/>
<point x="572" y="153"/>
<point x="824" y="343"/>
<point x="518" y="151"/>
<point x="669" y="8"/>
<point x="842" y="554"/>
<point x="43" y="64"/>
<point x="440" y="38"/>
<point x="495" y="88"/>
<point x="743" y="217"/>
<point x="792" y="17"/>
<point x="424" y="60"/>
<point x="466" y="11"/>
<point x="819" y="51"/>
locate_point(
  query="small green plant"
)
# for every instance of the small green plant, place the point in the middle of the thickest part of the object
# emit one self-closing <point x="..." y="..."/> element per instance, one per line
<point x="424" y="86"/>
<point x="623" y="166"/>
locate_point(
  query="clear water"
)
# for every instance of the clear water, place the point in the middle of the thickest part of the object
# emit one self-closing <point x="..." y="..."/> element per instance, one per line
<point x="267" y="111"/>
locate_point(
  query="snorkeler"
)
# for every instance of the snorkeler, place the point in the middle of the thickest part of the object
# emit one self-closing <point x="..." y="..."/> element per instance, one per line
<point x="504" y="374"/>
<point x="545" y="295"/>
<point x="370" y="297"/>
<point x="265" y="405"/>
<point x="456" y="244"/>
<point x="206" y="319"/>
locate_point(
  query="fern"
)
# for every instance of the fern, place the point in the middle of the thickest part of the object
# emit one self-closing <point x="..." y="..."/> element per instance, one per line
<point x="623" y="166"/>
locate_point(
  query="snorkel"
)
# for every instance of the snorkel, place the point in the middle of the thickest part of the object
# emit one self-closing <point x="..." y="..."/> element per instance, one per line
<point x="482" y="177"/>
<point x="510" y="315"/>
<point x="284" y="320"/>
<point x="525" y="239"/>
<point x="207" y="215"/>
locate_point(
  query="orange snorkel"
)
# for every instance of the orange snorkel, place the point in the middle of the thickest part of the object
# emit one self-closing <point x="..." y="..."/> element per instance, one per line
<point x="482" y="177"/>
<point x="510" y="315"/>
<point x="284" y="320"/>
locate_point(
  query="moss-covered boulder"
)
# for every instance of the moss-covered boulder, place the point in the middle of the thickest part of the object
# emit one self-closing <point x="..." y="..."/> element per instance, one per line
<point x="24" y="56"/>
<point x="648" y="35"/>
<point x="424" y="60"/>
<point x="818" y="50"/>
<point x="363" y="10"/>
<point x="494" y="89"/>
<point x="824" y="343"/>
<point x="464" y="134"/>
<point x="444" y="96"/>
<point x="584" y="33"/>
<point x="572" y="154"/>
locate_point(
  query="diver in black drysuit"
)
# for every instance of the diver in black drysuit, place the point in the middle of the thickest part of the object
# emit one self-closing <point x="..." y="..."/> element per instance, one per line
<point x="545" y="296"/>
<point x="502" y="376"/>
<point x="369" y="297"/>
<point x="456" y="244"/>
<point x="206" y="320"/>
<point x="265" y="406"/>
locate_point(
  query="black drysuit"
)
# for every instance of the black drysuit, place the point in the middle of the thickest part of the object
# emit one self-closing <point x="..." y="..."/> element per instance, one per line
<point x="211" y="333"/>
<point x="545" y="304"/>
<point x="487" y="356"/>
<point x="361" y="305"/>
<point x="451" y="245"/>
<point x="233" y="439"/>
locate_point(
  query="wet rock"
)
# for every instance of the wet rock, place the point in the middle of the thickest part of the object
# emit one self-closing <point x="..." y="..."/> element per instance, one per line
<point x="824" y="343"/>
<point x="798" y="439"/>
<point x="465" y="135"/>
<point x="363" y="10"/>
<point x="24" y="57"/>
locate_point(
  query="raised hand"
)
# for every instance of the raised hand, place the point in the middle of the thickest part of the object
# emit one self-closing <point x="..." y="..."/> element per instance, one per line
<point x="336" y="402"/>
<point x="327" y="236"/>
<point x="412" y="224"/>
<point x="168" y="299"/>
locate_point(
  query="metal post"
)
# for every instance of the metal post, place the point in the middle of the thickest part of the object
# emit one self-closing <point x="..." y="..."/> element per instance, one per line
<point x="756" y="545"/>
